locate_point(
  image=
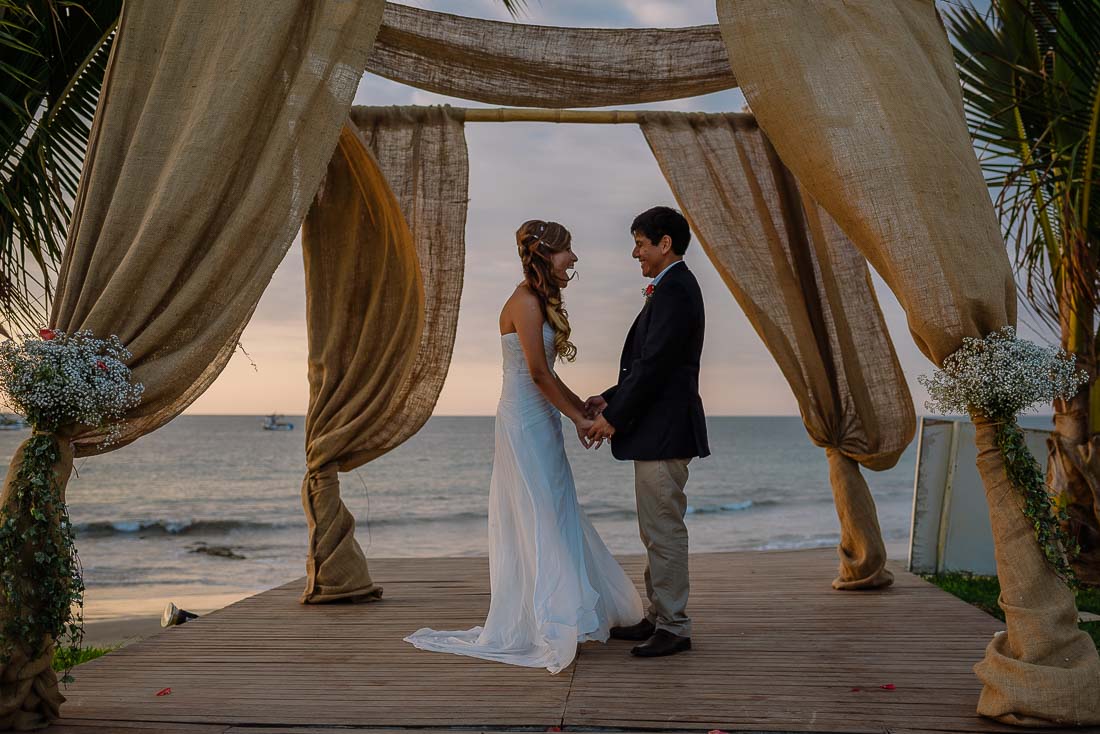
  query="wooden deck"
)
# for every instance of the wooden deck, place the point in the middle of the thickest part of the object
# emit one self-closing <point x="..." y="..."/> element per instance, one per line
<point x="776" y="649"/>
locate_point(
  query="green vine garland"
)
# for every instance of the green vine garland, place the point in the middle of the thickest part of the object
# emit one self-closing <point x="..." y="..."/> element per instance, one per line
<point x="41" y="582"/>
<point x="1046" y="517"/>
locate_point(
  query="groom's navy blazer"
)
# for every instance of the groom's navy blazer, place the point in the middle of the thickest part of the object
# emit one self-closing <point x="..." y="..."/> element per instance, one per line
<point x="655" y="408"/>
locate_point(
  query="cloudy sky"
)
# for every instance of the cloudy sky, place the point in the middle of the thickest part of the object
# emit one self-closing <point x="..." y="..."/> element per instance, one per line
<point x="593" y="179"/>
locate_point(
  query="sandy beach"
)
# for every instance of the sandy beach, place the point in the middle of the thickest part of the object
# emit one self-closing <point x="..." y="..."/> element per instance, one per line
<point x="114" y="618"/>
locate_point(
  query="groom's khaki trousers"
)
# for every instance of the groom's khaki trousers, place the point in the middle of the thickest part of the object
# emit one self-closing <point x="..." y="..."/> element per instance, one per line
<point x="659" y="490"/>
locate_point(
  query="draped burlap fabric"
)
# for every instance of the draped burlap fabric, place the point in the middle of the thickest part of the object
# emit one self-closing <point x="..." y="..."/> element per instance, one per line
<point x="422" y="154"/>
<point x="862" y="552"/>
<point x="29" y="694"/>
<point x="214" y="126"/>
<point x="862" y="103"/>
<point x="382" y="308"/>
<point x="538" y="66"/>
<point x="807" y="292"/>
<point x="354" y="226"/>
<point x="336" y="566"/>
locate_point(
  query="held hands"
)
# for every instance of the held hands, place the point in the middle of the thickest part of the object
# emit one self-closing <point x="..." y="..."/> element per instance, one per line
<point x="584" y="425"/>
<point x="594" y="406"/>
<point x="600" y="431"/>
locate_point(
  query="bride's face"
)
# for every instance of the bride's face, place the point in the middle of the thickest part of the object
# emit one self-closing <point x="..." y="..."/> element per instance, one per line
<point x="562" y="262"/>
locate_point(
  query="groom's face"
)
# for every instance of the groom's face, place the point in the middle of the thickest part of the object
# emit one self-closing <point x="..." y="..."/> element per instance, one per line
<point x="651" y="256"/>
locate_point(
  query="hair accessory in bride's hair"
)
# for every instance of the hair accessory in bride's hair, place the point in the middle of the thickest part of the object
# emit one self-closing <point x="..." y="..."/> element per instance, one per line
<point x="538" y="237"/>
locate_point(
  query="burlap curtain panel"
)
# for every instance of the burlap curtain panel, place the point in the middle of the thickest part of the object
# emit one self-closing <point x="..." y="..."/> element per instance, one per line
<point x="383" y="281"/>
<point x="422" y="155"/>
<point x="862" y="102"/>
<point x="213" y="128"/>
<point x="538" y="66"/>
<point x="807" y="292"/>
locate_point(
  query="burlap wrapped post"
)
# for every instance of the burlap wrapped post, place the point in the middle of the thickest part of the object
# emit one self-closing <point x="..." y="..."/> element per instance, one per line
<point x="382" y="308"/>
<point x="523" y="65"/>
<point x="1043" y="670"/>
<point x="29" y="694"/>
<point x="862" y="102"/>
<point x="807" y="292"/>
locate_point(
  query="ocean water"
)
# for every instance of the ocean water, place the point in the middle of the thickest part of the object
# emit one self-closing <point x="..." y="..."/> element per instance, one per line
<point x="145" y="513"/>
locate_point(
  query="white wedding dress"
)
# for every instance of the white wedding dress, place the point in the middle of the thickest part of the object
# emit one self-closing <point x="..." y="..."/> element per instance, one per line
<point x="554" y="584"/>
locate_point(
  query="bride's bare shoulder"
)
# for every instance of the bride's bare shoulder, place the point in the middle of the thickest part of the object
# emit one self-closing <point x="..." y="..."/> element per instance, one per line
<point x="523" y="299"/>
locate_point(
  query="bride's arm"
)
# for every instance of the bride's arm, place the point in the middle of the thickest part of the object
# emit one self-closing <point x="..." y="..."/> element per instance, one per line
<point x="570" y="394"/>
<point x="528" y="319"/>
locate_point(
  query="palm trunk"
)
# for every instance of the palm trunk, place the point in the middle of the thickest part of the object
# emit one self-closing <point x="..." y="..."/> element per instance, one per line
<point x="1073" y="470"/>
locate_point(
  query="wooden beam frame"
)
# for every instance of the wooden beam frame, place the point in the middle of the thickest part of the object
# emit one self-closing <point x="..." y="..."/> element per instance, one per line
<point x="536" y="114"/>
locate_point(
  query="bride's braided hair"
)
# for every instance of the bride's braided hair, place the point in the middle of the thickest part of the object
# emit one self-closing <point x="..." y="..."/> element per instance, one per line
<point x="537" y="241"/>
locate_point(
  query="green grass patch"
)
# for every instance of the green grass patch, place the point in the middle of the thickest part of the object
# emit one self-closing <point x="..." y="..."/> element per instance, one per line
<point x="982" y="592"/>
<point x="69" y="657"/>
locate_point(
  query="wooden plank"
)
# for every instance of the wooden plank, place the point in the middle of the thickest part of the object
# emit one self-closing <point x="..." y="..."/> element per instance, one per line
<point x="776" y="649"/>
<point x="75" y="726"/>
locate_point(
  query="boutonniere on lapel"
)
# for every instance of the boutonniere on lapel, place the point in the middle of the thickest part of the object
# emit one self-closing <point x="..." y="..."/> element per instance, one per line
<point x="648" y="291"/>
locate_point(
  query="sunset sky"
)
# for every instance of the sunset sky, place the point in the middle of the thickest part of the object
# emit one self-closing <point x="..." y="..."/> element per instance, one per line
<point x="591" y="178"/>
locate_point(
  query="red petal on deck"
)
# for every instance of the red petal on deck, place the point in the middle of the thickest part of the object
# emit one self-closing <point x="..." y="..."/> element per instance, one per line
<point x="164" y="692"/>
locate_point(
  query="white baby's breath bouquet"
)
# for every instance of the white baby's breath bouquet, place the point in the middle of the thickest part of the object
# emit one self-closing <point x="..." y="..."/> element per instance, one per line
<point x="998" y="378"/>
<point x="1002" y="376"/>
<point x="60" y="379"/>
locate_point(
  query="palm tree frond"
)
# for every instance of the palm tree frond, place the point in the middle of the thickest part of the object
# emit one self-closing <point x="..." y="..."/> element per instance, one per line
<point x="1030" y="72"/>
<point x="53" y="57"/>
<point x="514" y="7"/>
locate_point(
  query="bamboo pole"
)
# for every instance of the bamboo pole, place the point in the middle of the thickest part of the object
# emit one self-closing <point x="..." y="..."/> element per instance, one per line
<point x="591" y="117"/>
<point x="535" y="114"/>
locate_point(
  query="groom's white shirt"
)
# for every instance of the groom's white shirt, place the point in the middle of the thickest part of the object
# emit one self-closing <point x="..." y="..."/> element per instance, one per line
<point x="662" y="273"/>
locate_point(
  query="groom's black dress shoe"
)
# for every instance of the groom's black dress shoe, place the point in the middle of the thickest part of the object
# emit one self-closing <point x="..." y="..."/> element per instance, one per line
<point x="660" y="644"/>
<point x="637" y="632"/>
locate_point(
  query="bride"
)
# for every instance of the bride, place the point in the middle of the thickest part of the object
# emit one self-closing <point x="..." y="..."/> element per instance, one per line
<point x="554" y="584"/>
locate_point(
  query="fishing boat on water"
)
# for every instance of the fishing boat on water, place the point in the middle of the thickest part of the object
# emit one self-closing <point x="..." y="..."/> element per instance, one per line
<point x="275" y="422"/>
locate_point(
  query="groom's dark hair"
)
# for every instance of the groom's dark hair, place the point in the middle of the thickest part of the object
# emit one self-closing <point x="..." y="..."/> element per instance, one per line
<point x="655" y="223"/>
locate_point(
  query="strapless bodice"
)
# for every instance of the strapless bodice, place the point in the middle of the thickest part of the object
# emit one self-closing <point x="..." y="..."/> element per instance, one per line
<point x="520" y="397"/>
<point x="514" y="359"/>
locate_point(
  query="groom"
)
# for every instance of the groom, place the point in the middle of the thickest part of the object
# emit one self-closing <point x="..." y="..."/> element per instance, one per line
<point x="654" y="416"/>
